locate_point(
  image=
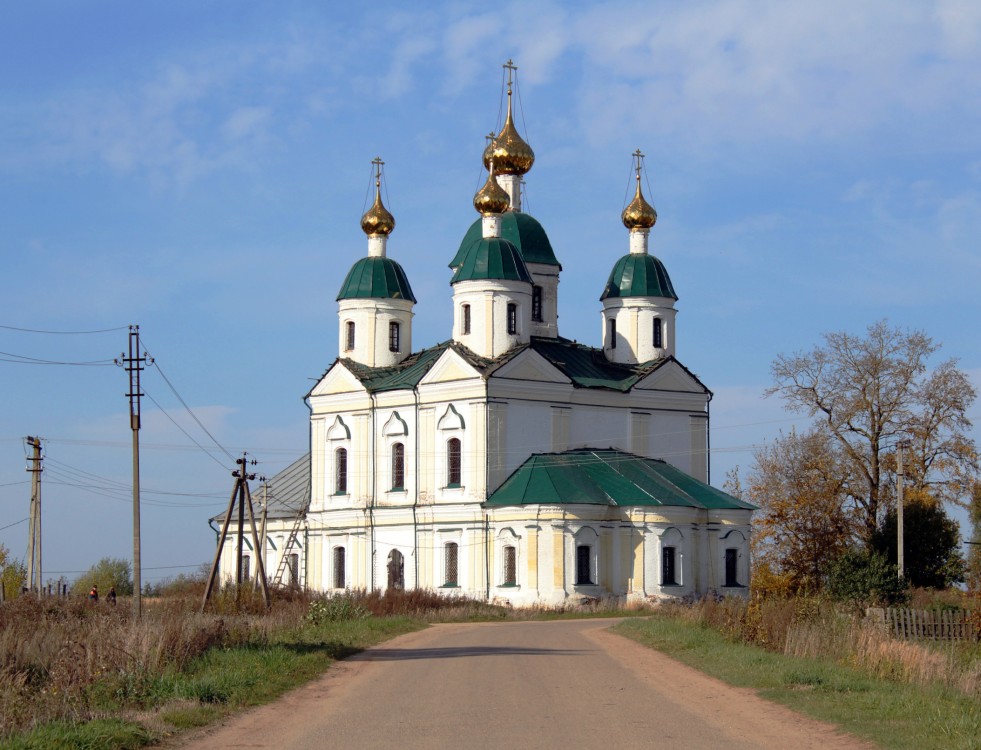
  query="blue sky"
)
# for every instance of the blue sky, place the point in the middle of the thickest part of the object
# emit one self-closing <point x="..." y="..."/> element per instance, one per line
<point x="201" y="168"/>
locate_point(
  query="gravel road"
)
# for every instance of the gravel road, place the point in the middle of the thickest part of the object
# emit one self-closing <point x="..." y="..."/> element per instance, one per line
<point x="561" y="684"/>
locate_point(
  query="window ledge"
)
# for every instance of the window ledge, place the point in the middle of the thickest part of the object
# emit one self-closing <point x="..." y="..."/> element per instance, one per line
<point x="450" y="586"/>
<point x="509" y="586"/>
<point x="453" y="487"/>
<point x="672" y="585"/>
<point x="341" y="494"/>
<point x="401" y="490"/>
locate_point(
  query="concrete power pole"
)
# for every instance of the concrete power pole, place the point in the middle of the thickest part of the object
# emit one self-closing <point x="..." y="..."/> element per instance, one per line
<point x="34" y="570"/>
<point x="135" y="363"/>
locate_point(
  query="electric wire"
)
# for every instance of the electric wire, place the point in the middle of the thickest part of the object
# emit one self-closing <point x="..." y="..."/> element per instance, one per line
<point x="15" y="523"/>
<point x="186" y="433"/>
<point x="22" y="359"/>
<point x="64" y="333"/>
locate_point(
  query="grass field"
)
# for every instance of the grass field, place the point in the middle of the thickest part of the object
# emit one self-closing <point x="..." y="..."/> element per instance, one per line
<point x="890" y="712"/>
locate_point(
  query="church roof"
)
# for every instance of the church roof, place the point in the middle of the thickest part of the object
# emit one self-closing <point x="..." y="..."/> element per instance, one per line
<point x="523" y="231"/>
<point x="639" y="275"/>
<point x="607" y="477"/>
<point x="585" y="366"/>
<point x="376" y="278"/>
<point x="491" y="258"/>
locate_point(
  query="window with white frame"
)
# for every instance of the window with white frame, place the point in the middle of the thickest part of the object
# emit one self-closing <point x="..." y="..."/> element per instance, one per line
<point x="394" y="338"/>
<point x="349" y="336"/>
<point x="465" y="324"/>
<point x="658" y="333"/>
<point x="512" y="318"/>
<point x="669" y="570"/>
<point x="611" y="326"/>
<point x="536" y="304"/>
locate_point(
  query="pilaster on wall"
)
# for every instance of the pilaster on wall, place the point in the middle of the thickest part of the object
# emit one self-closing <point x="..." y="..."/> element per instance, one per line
<point x="558" y="559"/>
<point x="532" y="554"/>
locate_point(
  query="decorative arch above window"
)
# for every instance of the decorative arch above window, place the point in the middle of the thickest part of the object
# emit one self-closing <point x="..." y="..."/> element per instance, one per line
<point x="338" y="430"/>
<point x="451" y="419"/>
<point x="395" y="426"/>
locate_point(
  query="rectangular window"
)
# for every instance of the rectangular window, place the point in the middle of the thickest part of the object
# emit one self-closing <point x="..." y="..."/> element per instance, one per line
<point x="732" y="561"/>
<point x="349" y="343"/>
<point x="669" y="576"/>
<point x="611" y="326"/>
<point x="294" y="566"/>
<point x="658" y="335"/>
<point x="510" y="566"/>
<point x="450" y="563"/>
<point x="245" y="568"/>
<point x="398" y="466"/>
<point x="340" y="471"/>
<point x="466" y="319"/>
<point x="536" y="304"/>
<point x="453" y="462"/>
<point x="340" y="578"/>
<point x="584" y="564"/>
<point x="393" y="336"/>
<point x="512" y="318"/>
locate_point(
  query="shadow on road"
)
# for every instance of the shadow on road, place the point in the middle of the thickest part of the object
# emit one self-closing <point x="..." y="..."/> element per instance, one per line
<point x="403" y="654"/>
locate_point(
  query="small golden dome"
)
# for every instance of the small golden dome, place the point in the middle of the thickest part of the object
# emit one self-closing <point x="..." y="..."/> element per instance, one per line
<point x="510" y="152"/>
<point x="377" y="220"/>
<point x="491" y="198"/>
<point x="639" y="214"/>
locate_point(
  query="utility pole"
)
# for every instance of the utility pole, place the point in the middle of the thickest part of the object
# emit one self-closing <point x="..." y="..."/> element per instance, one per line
<point x="34" y="570"/>
<point x="262" y="527"/>
<point x="900" y="479"/>
<point x="241" y="494"/>
<point x="135" y="363"/>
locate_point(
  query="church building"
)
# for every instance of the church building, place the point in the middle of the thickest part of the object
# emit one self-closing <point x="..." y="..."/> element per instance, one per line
<point x="507" y="462"/>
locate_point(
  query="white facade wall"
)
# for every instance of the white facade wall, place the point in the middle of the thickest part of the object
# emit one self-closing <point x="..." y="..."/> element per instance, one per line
<point x="488" y="300"/>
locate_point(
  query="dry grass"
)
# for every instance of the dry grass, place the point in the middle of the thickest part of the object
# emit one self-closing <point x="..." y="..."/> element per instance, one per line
<point x="817" y="628"/>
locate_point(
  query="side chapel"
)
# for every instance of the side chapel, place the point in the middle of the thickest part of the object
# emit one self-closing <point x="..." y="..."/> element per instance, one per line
<point x="506" y="463"/>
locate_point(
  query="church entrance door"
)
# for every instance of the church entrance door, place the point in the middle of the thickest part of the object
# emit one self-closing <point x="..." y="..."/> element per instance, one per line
<point x="396" y="570"/>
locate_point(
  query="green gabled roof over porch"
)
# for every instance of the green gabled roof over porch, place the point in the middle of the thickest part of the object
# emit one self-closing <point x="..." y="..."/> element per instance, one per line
<point x="607" y="477"/>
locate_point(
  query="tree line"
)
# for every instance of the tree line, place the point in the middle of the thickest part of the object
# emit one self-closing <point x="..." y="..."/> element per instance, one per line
<point x="827" y="517"/>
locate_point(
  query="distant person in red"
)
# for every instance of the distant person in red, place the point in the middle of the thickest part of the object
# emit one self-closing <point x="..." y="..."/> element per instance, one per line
<point x="94" y="594"/>
<point x="111" y="596"/>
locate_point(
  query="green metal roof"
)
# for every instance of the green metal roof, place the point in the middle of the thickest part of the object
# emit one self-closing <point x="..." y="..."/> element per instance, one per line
<point x="522" y="230"/>
<point x="607" y="477"/>
<point x="491" y="258"/>
<point x="376" y="278"/>
<point x="639" y="275"/>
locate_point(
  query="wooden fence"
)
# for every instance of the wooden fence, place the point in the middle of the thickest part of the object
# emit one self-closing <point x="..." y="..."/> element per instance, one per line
<point x="933" y="625"/>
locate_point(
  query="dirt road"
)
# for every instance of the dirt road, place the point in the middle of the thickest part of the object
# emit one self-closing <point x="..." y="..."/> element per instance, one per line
<point x="566" y="684"/>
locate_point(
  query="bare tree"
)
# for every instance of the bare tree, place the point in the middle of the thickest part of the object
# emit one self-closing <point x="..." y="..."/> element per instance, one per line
<point x="871" y="391"/>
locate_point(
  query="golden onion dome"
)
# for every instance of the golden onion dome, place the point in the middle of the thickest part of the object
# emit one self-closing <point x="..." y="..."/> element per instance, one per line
<point x="491" y="198"/>
<point x="509" y="151"/>
<point x="639" y="214"/>
<point x="377" y="220"/>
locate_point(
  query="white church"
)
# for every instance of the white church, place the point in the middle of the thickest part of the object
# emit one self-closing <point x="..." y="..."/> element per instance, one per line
<point x="506" y="463"/>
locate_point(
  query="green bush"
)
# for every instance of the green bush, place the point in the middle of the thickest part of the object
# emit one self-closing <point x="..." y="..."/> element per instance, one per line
<point x="336" y="609"/>
<point x="866" y="578"/>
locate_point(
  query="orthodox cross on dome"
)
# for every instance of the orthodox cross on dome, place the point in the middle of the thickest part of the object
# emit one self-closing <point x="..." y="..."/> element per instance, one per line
<point x="378" y="164"/>
<point x="511" y="68"/>
<point x="638" y="162"/>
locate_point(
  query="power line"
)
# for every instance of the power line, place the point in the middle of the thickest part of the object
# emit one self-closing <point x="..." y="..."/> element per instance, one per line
<point x="11" y="525"/>
<point x="22" y="359"/>
<point x="63" y="333"/>
<point x="186" y="433"/>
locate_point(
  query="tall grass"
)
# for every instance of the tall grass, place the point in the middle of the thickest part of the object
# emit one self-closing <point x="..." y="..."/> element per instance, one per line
<point x="813" y="627"/>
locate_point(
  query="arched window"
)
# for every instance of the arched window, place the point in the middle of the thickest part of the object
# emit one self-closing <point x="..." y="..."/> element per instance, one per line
<point x="244" y="572"/>
<point x="396" y="570"/>
<point x="393" y="337"/>
<point x="349" y="342"/>
<point x="453" y="462"/>
<point x="584" y="564"/>
<point x="512" y="318"/>
<point x="450" y="564"/>
<point x="340" y="471"/>
<point x="510" y="566"/>
<point x="611" y="327"/>
<point x="536" y="303"/>
<point x="465" y="309"/>
<point x="398" y="466"/>
<point x="658" y="334"/>
<point x="340" y="576"/>
<point x="294" y="566"/>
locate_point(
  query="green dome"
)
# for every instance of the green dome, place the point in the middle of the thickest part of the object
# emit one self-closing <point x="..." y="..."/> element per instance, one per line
<point x="491" y="258"/>
<point x="522" y="230"/>
<point x="639" y="275"/>
<point x="376" y="278"/>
